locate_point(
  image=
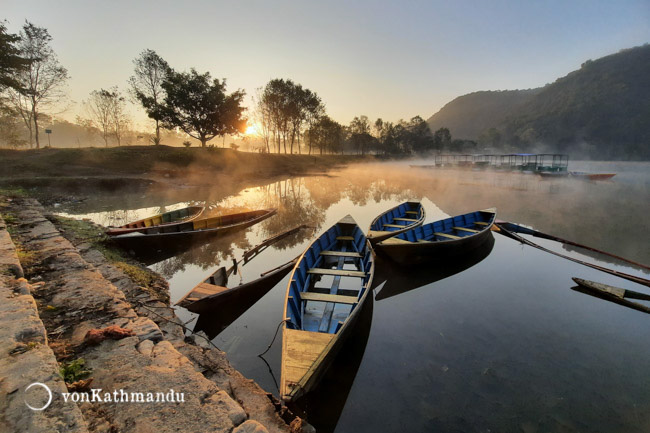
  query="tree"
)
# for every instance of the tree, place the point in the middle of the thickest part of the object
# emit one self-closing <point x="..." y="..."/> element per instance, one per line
<point x="41" y="83"/>
<point x="284" y="110"/>
<point x="325" y="134"/>
<point x="146" y="85"/>
<point x="441" y="139"/>
<point x="107" y="110"/>
<point x="11" y="61"/>
<point x="199" y="106"/>
<point x="360" y="134"/>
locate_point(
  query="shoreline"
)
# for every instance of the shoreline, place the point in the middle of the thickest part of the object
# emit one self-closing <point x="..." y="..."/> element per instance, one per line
<point x="76" y="292"/>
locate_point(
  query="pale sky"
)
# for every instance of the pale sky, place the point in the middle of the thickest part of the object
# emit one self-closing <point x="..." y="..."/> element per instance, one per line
<point x="383" y="59"/>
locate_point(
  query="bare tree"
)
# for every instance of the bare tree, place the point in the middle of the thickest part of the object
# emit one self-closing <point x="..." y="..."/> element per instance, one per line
<point x="146" y="85"/>
<point x="42" y="82"/>
<point x="106" y="109"/>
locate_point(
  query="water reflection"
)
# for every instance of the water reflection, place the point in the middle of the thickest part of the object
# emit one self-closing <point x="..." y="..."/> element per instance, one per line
<point x="501" y="344"/>
<point x="400" y="280"/>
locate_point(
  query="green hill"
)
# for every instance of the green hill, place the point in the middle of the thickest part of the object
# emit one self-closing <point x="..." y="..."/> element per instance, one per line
<point x="601" y="110"/>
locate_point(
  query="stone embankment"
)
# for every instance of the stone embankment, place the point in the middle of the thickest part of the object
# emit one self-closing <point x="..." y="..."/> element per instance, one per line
<point x="69" y="290"/>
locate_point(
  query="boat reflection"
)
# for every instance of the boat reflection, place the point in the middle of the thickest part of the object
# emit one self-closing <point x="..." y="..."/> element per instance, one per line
<point x="401" y="280"/>
<point x="322" y="407"/>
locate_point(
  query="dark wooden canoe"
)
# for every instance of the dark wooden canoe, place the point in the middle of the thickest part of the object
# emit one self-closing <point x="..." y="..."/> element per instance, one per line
<point x="168" y="218"/>
<point x="209" y="295"/>
<point x="612" y="294"/>
<point x="444" y="238"/>
<point x="592" y="176"/>
<point x="193" y="230"/>
<point x="397" y="220"/>
<point x="319" y="314"/>
<point x="552" y="174"/>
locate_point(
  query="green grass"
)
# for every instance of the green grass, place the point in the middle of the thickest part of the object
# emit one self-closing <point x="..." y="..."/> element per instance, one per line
<point x="74" y="370"/>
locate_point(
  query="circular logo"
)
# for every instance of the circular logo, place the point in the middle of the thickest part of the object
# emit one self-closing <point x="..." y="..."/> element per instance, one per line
<point x="49" y="400"/>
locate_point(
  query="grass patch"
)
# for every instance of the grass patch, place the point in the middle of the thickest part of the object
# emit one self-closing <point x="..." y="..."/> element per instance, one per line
<point x="137" y="275"/>
<point x="74" y="370"/>
<point x="9" y="218"/>
<point x="11" y="191"/>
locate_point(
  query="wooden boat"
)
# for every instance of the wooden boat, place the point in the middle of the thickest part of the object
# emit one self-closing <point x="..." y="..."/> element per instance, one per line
<point x="592" y="176"/>
<point x="612" y="294"/>
<point x="211" y="293"/>
<point x="172" y="217"/>
<point x="444" y="238"/>
<point x="319" y="314"/>
<point x="552" y="174"/>
<point x="397" y="220"/>
<point x="193" y="230"/>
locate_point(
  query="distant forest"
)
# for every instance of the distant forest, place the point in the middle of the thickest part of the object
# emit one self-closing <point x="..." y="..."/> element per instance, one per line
<point x="601" y="111"/>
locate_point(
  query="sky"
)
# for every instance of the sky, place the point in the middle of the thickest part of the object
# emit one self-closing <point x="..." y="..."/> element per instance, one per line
<point x="393" y="60"/>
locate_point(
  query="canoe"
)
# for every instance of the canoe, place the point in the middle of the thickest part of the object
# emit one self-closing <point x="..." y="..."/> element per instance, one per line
<point x="444" y="238"/>
<point x="209" y="295"/>
<point x="592" y="176"/>
<point x="397" y="220"/>
<point x="319" y="314"/>
<point x="612" y="294"/>
<point x="172" y="217"/>
<point x="193" y="230"/>
<point x="552" y="174"/>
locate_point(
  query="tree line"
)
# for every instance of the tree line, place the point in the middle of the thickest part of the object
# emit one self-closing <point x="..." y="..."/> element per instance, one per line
<point x="289" y="117"/>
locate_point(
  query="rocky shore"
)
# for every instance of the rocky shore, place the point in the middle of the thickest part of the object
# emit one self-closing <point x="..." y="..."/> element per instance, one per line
<point x="68" y="311"/>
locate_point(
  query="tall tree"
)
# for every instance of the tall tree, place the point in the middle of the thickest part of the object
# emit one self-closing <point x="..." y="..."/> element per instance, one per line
<point x="11" y="61"/>
<point x="326" y="134"/>
<point x="200" y="107"/>
<point x="150" y="71"/>
<point x="42" y="82"/>
<point x="106" y="109"/>
<point x="441" y="139"/>
<point x="360" y="134"/>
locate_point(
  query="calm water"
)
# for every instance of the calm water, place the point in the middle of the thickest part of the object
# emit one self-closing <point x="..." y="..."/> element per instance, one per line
<point x="497" y="342"/>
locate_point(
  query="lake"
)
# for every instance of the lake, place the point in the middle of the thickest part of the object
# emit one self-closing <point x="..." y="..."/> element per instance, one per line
<point x="497" y="341"/>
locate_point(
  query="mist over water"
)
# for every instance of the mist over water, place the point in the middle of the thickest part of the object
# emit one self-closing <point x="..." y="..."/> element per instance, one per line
<point x="497" y="342"/>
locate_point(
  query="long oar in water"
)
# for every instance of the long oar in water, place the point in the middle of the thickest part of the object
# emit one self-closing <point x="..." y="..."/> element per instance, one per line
<point x="499" y="228"/>
<point x="253" y="252"/>
<point x="516" y="228"/>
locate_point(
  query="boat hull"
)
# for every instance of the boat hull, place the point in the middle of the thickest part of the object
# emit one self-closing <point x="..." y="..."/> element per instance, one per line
<point x="258" y="287"/>
<point x="170" y="218"/>
<point x="375" y="234"/>
<point x="411" y="253"/>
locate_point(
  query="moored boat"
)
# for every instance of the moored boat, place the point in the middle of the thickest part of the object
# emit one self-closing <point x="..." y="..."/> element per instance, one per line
<point x="397" y="220"/>
<point x="319" y="311"/>
<point x="213" y="292"/>
<point x="552" y="174"/>
<point x="613" y="294"/>
<point x="592" y="176"/>
<point x="444" y="238"/>
<point x="193" y="230"/>
<point x="168" y="218"/>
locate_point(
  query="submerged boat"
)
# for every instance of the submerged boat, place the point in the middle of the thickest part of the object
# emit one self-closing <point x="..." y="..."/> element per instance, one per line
<point x="192" y="230"/>
<point x="320" y="310"/>
<point x="397" y="220"/>
<point x="592" y="176"/>
<point x="213" y="292"/>
<point x="444" y="238"/>
<point x="613" y="294"/>
<point x="168" y="218"/>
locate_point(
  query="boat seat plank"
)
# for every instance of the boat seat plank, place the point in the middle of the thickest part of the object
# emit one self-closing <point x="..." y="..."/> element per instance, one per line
<point x="397" y="226"/>
<point x="394" y="241"/>
<point x="445" y="235"/>
<point x="321" y="297"/>
<point x="406" y="219"/>
<point x="481" y="223"/>
<point x="340" y="254"/>
<point x="466" y="230"/>
<point x="345" y="238"/>
<point x="338" y="272"/>
<point x="413" y="212"/>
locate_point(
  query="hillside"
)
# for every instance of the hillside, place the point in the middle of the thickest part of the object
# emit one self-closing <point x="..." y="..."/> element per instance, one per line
<point x="469" y="115"/>
<point x="601" y="110"/>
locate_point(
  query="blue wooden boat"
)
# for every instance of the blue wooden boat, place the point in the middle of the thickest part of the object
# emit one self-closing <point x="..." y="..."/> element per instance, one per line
<point x="397" y="220"/>
<point x="328" y="287"/>
<point x="444" y="238"/>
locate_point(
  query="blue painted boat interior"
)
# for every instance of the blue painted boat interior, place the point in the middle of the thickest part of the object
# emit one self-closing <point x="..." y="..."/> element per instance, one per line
<point x="449" y="226"/>
<point x="397" y="212"/>
<point x="328" y="317"/>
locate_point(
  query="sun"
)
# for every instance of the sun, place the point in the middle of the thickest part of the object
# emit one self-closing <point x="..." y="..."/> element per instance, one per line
<point x="251" y="130"/>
